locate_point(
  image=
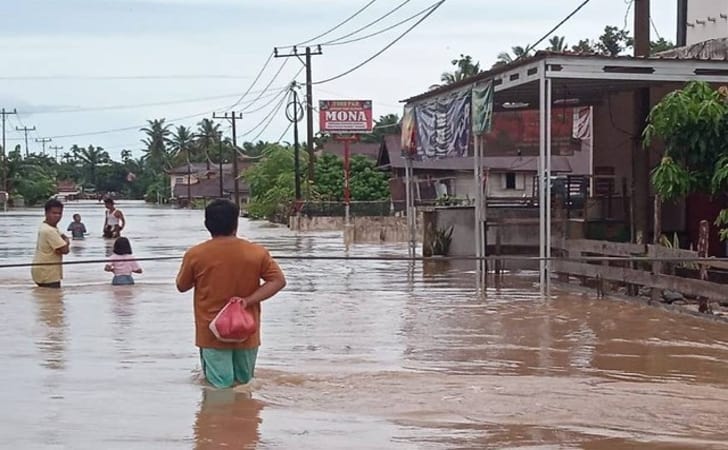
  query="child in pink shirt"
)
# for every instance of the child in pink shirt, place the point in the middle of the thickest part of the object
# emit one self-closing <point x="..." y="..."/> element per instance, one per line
<point x="122" y="263"/>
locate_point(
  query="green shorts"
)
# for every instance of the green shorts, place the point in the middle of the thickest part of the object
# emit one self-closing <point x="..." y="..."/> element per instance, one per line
<point x="222" y="368"/>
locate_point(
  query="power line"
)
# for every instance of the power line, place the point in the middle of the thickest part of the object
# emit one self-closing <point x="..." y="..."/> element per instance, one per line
<point x="257" y="77"/>
<point x="558" y="25"/>
<point x="382" y="31"/>
<point x="336" y="27"/>
<point x="267" y="86"/>
<point x="119" y="77"/>
<point x="134" y="106"/>
<point x="374" y="22"/>
<point x="433" y="8"/>
<point x="268" y="116"/>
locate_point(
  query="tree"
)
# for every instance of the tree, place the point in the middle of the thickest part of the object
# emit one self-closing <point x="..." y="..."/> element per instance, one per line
<point x="155" y="153"/>
<point x="207" y="142"/>
<point x="660" y="45"/>
<point x="271" y="183"/>
<point x="388" y="124"/>
<point x="693" y="124"/>
<point x="90" y="159"/>
<point x="613" y="41"/>
<point x="557" y="44"/>
<point x="126" y="156"/>
<point x="584" y="46"/>
<point x="466" y="68"/>
<point x="366" y="182"/>
<point x="518" y="52"/>
<point x="181" y="143"/>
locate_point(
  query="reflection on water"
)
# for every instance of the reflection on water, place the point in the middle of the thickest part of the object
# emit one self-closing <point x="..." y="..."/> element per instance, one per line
<point x="51" y="316"/>
<point x="227" y="419"/>
<point x="356" y="354"/>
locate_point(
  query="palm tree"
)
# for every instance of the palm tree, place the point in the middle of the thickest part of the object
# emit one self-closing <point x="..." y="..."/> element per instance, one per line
<point x="181" y="144"/>
<point x="208" y="136"/>
<point x="125" y="156"/>
<point x="557" y="44"/>
<point x="155" y="153"/>
<point x="465" y="69"/>
<point x="90" y="158"/>
<point x="518" y="52"/>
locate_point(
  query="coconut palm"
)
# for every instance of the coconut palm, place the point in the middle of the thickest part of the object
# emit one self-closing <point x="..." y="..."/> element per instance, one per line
<point x="90" y="158"/>
<point x="208" y="138"/>
<point x="155" y="153"/>
<point x="465" y="69"/>
<point x="507" y="58"/>
<point x="557" y="44"/>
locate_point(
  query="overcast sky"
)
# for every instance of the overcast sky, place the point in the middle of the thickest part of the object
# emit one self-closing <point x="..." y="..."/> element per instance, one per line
<point x="202" y="54"/>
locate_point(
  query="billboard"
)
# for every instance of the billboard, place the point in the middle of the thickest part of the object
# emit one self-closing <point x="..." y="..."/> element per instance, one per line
<point x="345" y="116"/>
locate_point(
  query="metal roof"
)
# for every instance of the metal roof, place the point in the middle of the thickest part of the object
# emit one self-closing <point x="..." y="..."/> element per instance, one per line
<point x="585" y="78"/>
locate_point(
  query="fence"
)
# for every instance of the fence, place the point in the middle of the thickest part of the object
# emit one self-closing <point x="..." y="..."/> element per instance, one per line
<point x="381" y="208"/>
<point x="654" y="267"/>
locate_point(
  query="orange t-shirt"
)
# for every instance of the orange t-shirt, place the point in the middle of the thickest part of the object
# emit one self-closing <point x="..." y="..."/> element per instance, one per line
<point x="221" y="268"/>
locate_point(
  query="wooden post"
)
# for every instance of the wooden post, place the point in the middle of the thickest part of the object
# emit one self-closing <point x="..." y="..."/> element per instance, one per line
<point x="703" y="241"/>
<point x="655" y="294"/>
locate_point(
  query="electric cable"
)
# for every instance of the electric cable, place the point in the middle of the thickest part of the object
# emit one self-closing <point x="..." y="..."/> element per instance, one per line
<point x="336" y="27"/>
<point x="382" y="31"/>
<point x="551" y="31"/>
<point x="374" y="22"/>
<point x="257" y="77"/>
<point x="387" y="47"/>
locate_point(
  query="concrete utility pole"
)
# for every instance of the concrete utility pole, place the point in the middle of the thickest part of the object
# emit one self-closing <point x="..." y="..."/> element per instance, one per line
<point x="233" y="117"/>
<point x="43" y="141"/>
<point x="56" y="148"/>
<point x="640" y="155"/>
<point x="4" y="153"/>
<point x="309" y="99"/>
<point x="25" y="130"/>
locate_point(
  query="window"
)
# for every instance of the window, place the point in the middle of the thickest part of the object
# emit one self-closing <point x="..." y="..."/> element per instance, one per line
<point x="510" y="180"/>
<point x="179" y="180"/>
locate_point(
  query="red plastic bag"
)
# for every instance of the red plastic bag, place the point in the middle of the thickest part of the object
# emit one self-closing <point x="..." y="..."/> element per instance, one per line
<point x="233" y="323"/>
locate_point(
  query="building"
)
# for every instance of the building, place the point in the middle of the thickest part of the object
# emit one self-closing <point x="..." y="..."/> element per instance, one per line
<point x="509" y="177"/>
<point x="204" y="181"/>
<point x="67" y="190"/>
<point x="701" y="20"/>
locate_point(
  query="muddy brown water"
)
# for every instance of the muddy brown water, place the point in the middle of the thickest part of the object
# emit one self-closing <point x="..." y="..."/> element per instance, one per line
<point x="359" y="354"/>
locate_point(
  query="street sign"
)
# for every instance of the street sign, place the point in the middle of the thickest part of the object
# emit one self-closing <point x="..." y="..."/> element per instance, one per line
<point x="345" y="116"/>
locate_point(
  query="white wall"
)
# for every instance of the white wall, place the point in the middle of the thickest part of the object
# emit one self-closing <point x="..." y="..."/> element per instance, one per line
<point x="701" y="10"/>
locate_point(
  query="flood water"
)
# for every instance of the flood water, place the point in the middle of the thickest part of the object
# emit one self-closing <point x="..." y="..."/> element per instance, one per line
<point x="355" y="354"/>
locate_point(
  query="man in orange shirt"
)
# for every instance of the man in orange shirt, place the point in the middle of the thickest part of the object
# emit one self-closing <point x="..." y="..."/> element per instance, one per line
<point x="220" y="268"/>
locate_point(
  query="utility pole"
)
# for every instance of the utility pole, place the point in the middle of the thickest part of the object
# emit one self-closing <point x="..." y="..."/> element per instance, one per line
<point x="294" y="117"/>
<point x="219" y="173"/>
<point x="233" y="117"/>
<point x="641" y="155"/>
<point x="43" y="141"/>
<point x="56" y="148"/>
<point x="309" y="99"/>
<point x="25" y="130"/>
<point x="4" y="154"/>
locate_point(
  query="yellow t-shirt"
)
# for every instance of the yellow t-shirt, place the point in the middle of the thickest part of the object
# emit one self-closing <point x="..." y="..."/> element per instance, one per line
<point x="49" y="240"/>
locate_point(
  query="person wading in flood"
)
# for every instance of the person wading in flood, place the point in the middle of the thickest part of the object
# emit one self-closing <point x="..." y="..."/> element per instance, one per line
<point x="114" y="222"/>
<point x="50" y="248"/>
<point x="219" y="269"/>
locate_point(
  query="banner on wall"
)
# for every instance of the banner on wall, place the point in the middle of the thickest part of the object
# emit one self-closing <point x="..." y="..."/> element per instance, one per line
<point x="517" y="133"/>
<point x="409" y="132"/>
<point x="482" y="106"/>
<point x="443" y="126"/>
<point x="582" y="128"/>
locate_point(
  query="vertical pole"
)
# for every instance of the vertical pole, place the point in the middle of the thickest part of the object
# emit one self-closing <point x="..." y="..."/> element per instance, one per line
<point x="591" y="154"/>
<point x="4" y="156"/>
<point x="346" y="182"/>
<point x="309" y="115"/>
<point x="476" y="214"/>
<point x="407" y="194"/>
<point x="236" y="174"/>
<point x="189" y="179"/>
<point x="541" y="182"/>
<point x="220" y="174"/>
<point x="548" y="184"/>
<point x="296" y="147"/>
<point x="682" y="23"/>
<point x="640" y="155"/>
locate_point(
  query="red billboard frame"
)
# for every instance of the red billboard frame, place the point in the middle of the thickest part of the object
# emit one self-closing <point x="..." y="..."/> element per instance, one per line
<point x="345" y="116"/>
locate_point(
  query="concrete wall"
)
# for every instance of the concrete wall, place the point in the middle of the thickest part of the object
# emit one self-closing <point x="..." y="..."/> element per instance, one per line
<point x="700" y="27"/>
<point x="361" y="230"/>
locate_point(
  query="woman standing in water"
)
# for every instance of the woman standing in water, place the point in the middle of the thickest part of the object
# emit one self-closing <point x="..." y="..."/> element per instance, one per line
<point x="115" y="220"/>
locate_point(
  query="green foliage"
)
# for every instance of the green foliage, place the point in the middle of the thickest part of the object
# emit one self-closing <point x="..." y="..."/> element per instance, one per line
<point x="441" y="241"/>
<point x="388" y="124"/>
<point x="36" y="185"/>
<point x="272" y="182"/>
<point x="693" y="125"/>
<point x="367" y="183"/>
<point x="465" y="68"/>
<point x="329" y="170"/>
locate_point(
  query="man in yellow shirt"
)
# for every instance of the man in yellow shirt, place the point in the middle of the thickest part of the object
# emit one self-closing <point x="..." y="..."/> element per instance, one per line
<point x="222" y="267"/>
<point x="50" y="248"/>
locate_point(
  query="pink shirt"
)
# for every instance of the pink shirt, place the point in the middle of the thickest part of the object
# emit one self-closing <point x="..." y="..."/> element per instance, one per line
<point x="120" y="267"/>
